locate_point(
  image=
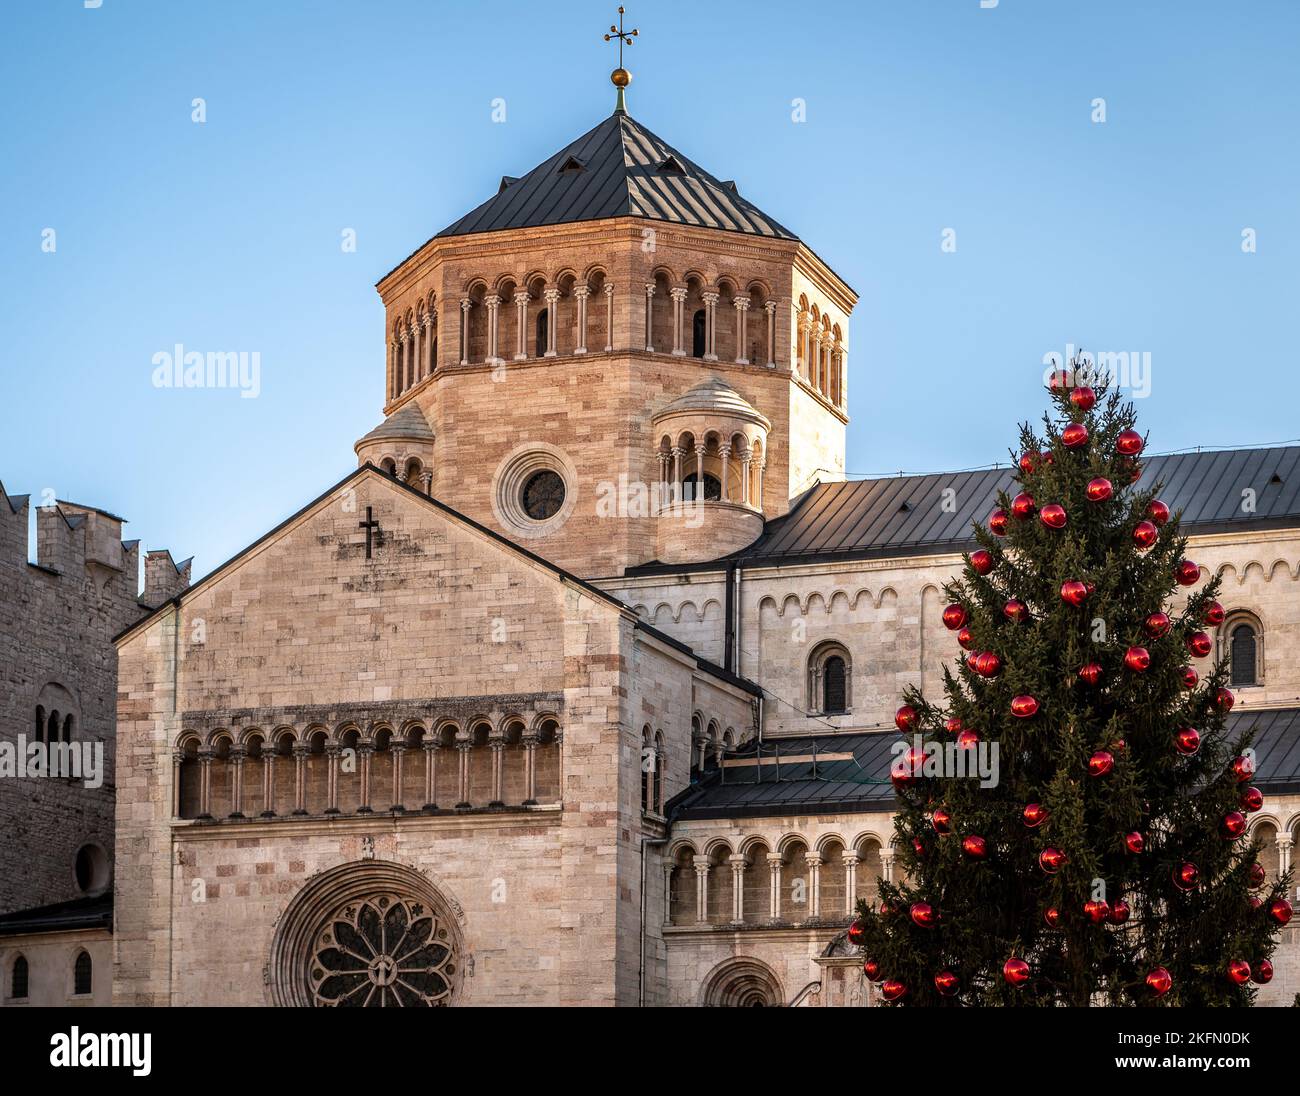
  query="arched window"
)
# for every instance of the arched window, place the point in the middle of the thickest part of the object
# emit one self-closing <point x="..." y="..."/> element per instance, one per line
<point x="52" y="728"/>
<point x="18" y="979"/>
<point x="67" y="728"/>
<point x="40" y="723"/>
<point x="82" y="981"/>
<point x="647" y="768"/>
<point x="834" y="685"/>
<point x="543" y="331"/>
<point x="698" y="323"/>
<point x="830" y="680"/>
<point x="1243" y="656"/>
<point x="657" y="796"/>
<point x="712" y="487"/>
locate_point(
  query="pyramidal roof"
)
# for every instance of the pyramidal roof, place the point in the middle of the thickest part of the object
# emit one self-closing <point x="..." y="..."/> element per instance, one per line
<point x="618" y="169"/>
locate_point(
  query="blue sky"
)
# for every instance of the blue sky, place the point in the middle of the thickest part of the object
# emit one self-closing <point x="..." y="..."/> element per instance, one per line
<point x="921" y="116"/>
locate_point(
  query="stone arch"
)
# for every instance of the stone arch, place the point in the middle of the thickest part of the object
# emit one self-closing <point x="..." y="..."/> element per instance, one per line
<point x="742" y="982"/>
<point x="757" y="889"/>
<point x="1241" y="641"/>
<point x="830" y="678"/>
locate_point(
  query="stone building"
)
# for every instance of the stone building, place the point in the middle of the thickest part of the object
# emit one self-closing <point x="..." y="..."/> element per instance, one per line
<point x="577" y="690"/>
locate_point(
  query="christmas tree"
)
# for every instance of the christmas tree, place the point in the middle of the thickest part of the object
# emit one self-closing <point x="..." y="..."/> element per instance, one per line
<point x="1107" y="862"/>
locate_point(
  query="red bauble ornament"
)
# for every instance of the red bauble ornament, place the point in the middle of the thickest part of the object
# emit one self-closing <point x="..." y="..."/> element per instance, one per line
<point x="1074" y="436"/>
<point x="1074" y="592"/>
<point x="1023" y="707"/>
<point x="1280" y="910"/>
<point x="1257" y="875"/>
<point x="967" y="740"/>
<point x="1051" y="860"/>
<point x="1035" y="814"/>
<point x="918" y="848"/>
<point x="892" y="990"/>
<point x="1098" y="912"/>
<point x="966" y="639"/>
<point x="1053" y="515"/>
<point x="942" y="821"/>
<point x="1224" y="700"/>
<point x="1186" y="876"/>
<point x="1251" y="800"/>
<point x="1023" y="506"/>
<point x="1239" y="972"/>
<point x="1187" y="573"/>
<point x="1016" y="972"/>
<point x="923" y="914"/>
<point x="1016" y="611"/>
<point x="857" y="933"/>
<point x="872" y="970"/>
<point x="974" y="846"/>
<point x="1100" y="763"/>
<point x="946" y="983"/>
<point x="1187" y="741"/>
<point x="1190" y="678"/>
<point x="952" y="725"/>
<point x="1099" y="489"/>
<point x="981" y="560"/>
<point x="998" y="522"/>
<point x="1233" y="825"/>
<point x="1090" y="673"/>
<point x="1262" y="973"/>
<point x="905" y="718"/>
<point x="1243" y="768"/>
<point x="1199" y="644"/>
<point x="1052" y="916"/>
<point x="1119" y="912"/>
<point x="988" y="664"/>
<point x="1030" y="461"/>
<point x="1060" y="381"/>
<point x="1159" y="982"/>
<point x="1129" y="443"/>
<point x="1084" y="398"/>
<point x="1157" y="511"/>
<point x="1213" y="614"/>
<point x="1137" y="659"/>
<point x="1145" y="534"/>
<point x="954" y="616"/>
<point x="1134" y="842"/>
<point x="1157" y="625"/>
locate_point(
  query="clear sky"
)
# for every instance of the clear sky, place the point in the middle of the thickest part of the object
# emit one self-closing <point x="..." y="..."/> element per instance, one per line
<point x="1122" y="235"/>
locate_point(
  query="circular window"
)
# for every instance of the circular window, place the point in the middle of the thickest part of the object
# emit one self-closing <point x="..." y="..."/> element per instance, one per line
<point x="92" y="869"/>
<point x="543" y="495"/>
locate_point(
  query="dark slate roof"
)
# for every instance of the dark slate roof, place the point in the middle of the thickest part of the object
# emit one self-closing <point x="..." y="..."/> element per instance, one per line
<point x="902" y="515"/>
<point x="618" y="169"/>
<point x="811" y="780"/>
<point x="79" y="913"/>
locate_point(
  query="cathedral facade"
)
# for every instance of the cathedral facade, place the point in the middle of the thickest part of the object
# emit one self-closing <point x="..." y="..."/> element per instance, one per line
<point x="579" y="689"/>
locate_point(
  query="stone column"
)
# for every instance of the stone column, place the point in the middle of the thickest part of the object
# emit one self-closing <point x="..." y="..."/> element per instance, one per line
<point x="649" y="316"/>
<point x="770" y="308"/>
<point x="300" y="753"/>
<point x="392" y="370"/>
<point x="552" y="322"/>
<point x="819" y="380"/>
<point x="178" y="758"/>
<point x="814" y="862"/>
<point x="774" y="882"/>
<point x="745" y="460"/>
<point x="668" y="892"/>
<point x="332" y="751"/>
<point x="465" y="305"/>
<point x="887" y="865"/>
<point x="426" y="482"/>
<point x="582" y="292"/>
<point x="710" y="326"/>
<point x="493" y="303"/>
<point x="205" y="784"/>
<point x="702" y="892"/>
<point x="742" y="349"/>
<point x="609" y="318"/>
<point x="428" y="365"/>
<point x="401" y="361"/>
<point x="699" y="473"/>
<point x="398" y="746"/>
<point x="365" y="751"/>
<point x="430" y="770"/>
<point x="268" y="780"/>
<point x="762" y="464"/>
<point x="413" y="365"/>
<point x="678" y="294"/>
<point x="497" y="743"/>
<point x="738" y="887"/>
<point x="1284" y="842"/>
<point x="530" y="768"/>
<point x="521" y="324"/>
<point x="678" y="453"/>
<point x="724" y="452"/>
<point x="463" y="747"/>
<point x="237" y="755"/>
<point x="851" y="863"/>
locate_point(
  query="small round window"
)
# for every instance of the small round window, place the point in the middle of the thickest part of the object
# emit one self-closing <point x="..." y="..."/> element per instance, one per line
<point x="543" y="495"/>
<point x="92" y="869"/>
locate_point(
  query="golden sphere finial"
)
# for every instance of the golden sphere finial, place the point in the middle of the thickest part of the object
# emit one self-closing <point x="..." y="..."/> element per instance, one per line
<point x="620" y="78"/>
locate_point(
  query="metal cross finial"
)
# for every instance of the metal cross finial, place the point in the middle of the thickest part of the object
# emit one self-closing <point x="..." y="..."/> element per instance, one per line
<point x="624" y="36"/>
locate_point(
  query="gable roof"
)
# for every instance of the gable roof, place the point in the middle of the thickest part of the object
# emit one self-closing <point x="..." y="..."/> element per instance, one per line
<point x="618" y="169"/>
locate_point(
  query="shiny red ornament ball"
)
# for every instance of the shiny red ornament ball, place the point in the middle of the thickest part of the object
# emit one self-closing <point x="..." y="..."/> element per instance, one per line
<point x="1129" y="443"/>
<point x="1159" y="982"/>
<point x="1186" y="876"/>
<point x="1052" y="916"/>
<point x="893" y="990"/>
<point x="918" y="848"/>
<point x="1024" y="707"/>
<point x="1262" y="973"/>
<point x="1134" y="842"/>
<point x="998" y="521"/>
<point x="1016" y="972"/>
<point x="1157" y="511"/>
<point x="1098" y="912"/>
<point x="952" y="725"/>
<point x="1233" y="825"/>
<point x="1224" y="699"/>
<point x="974" y="846"/>
<point x="1280" y="910"/>
<point x="1090" y="673"/>
<point x="905" y="718"/>
<point x="1187" y="573"/>
<point x="1030" y="461"/>
<point x="981" y="560"/>
<point x="988" y="664"/>
<point x="923" y="914"/>
<point x="1053" y="515"/>
<point x="1035" y="814"/>
<point x="1074" y="436"/>
<point x="942" y="821"/>
<point x="1074" y="592"/>
<point x="1060" y="381"/>
<point x="1257" y="875"/>
<point x="857" y="933"/>
<point x="1199" y="644"/>
<point x="1190" y="678"/>
<point x="954" y="616"/>
<point x="1243" y="768"/>
<point x="1100" y="763"/>
<point x="946" y="983"/>
<point x="1084" y="398"/>
<point x="1023" y="506"/>
<point x="1137" y="659"/>
<point x="1252" y="799"/>
<point x="1213" y="614"/>
<point x="1187" y="741"/>
<point x="872" y="970"/>
<point x="966" y="639"/>
<point x="1145" y="534"/>
<point x="1099" y="489"/>
<point x="967" y="740"/>
<point x="1119" y="912"/>
<point x="1051" y="860"/>
<point x="1239" y="971"/>
<point x="1157" y="625"/>
<point x="1016" y="611"/>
